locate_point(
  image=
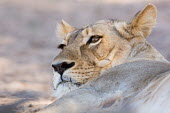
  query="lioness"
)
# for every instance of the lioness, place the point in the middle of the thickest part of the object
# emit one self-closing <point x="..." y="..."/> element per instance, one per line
<point x="109" y="67"/>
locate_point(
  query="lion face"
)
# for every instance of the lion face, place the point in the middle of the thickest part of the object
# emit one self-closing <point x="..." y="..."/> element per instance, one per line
<point x="89" y="51"/>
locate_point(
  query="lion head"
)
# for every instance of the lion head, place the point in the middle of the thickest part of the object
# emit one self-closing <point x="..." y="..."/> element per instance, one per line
<point x="89" y="51"/>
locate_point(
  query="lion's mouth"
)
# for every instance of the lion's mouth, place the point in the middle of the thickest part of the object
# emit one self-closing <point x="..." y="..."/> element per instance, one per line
<point x="64" y="87"/>
<point x="57" y="81"/>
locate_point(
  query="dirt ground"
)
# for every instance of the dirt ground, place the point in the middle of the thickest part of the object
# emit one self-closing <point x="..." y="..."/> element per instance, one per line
<point x="28" y="43"/>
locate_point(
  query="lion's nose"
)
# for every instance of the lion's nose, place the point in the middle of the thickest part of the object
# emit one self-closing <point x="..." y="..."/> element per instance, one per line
<point x="60" y="68"/>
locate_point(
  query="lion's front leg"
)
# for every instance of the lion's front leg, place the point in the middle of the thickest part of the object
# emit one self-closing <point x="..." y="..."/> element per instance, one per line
<point x="74" y="102"/>
<point x="86" y="100"/>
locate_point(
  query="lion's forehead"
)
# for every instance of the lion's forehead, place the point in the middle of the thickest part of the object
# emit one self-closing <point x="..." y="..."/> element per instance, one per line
<point x="78" y="32"/>
<point x="73" y="35"/>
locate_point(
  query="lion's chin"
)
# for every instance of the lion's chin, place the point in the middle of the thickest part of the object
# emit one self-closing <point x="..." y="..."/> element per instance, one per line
<point x="64" y="88"/>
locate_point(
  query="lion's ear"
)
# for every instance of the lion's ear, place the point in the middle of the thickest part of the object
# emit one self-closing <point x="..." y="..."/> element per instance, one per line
<point x="64" y="28"/>
<point x="144" y="21"/>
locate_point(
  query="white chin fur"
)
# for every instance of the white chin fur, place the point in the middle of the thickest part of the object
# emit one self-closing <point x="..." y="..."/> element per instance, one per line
<point x="56" y="79"/>
<point x="61" y="89"/>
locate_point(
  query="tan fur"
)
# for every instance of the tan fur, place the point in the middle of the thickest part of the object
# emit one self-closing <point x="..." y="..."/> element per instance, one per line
<point x="121" y="42"/>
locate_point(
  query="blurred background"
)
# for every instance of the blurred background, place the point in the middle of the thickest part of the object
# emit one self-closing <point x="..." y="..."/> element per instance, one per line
<point x="28" y="42"/>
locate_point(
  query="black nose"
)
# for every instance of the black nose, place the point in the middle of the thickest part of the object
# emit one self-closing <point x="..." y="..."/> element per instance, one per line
<point x="60" y="68"/>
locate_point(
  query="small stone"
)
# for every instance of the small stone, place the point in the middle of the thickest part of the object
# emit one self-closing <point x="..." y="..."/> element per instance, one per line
<point x="30" y="105"/>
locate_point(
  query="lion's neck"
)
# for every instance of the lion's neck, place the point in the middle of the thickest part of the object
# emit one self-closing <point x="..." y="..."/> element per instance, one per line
<point x="139" y="51"/>
<point x="144" y="51"/>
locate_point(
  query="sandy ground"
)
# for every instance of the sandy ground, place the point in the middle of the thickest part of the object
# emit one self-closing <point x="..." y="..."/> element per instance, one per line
<point x="28" y="43"/>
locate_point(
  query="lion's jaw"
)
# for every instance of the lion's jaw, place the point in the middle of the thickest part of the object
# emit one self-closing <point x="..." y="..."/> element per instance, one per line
<point x="62" y="88"/>
<point x="69" y="84"/>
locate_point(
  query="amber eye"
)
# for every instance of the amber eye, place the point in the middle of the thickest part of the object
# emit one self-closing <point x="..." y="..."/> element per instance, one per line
<point x="94" y="39"/>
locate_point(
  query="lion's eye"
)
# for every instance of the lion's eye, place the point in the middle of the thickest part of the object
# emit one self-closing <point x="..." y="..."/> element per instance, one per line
<point x="61" y="46"/>
<point x="94" y="39"/>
